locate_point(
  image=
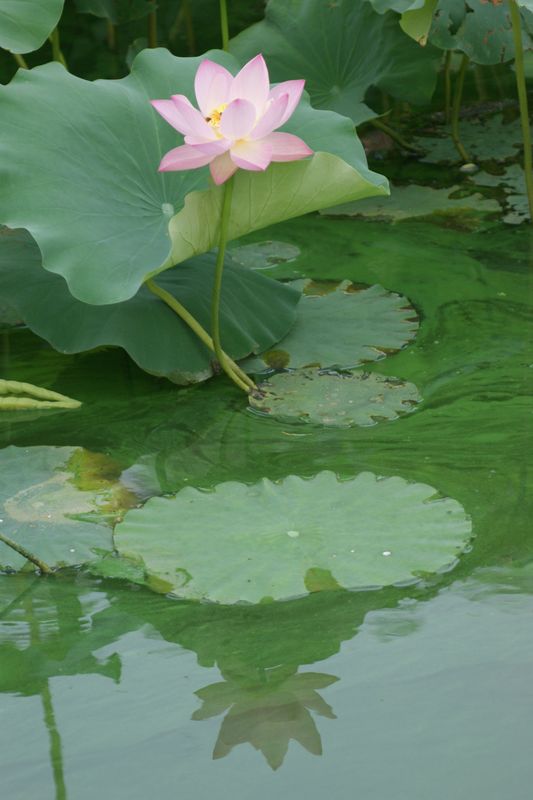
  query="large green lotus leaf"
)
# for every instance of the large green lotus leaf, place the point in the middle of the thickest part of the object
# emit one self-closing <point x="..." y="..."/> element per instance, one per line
<point x="54" y="501"/>
<point x="341" y="325"/>
<point x="341" y="49"/>
<point x="256" y="312"/>
<point x="26" y="24"/>
<point x="406" y="202"/>
<point x="479" y="28"/>
<point x="117" y="11"/>
<point x="277" y="540"/>
<point x="80" y="173"/>
<point x="334" y="399"/>
<point x="484" y="139"/>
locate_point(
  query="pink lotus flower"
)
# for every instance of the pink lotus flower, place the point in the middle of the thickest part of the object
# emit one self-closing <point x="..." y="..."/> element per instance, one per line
<point x="236" y="122"/>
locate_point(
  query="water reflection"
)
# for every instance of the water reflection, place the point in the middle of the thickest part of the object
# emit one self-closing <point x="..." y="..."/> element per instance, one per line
<point x="266" y="708"/>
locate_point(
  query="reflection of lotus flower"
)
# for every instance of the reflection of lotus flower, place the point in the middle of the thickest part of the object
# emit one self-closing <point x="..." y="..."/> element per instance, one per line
<point x="235" y="124"/>
<point x="267" y="713"/>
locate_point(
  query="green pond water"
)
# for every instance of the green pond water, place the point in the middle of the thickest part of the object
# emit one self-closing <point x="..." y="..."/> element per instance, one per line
<point x="111" y="691"/>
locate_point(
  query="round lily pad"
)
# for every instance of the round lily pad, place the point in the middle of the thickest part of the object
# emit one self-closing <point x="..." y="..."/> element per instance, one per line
<point x="55" y="502"/>
<point x="264" y="255"/>
<point x="334" y="399"/>
<point x="242" y="543"/>
<point x="340" y="325"/>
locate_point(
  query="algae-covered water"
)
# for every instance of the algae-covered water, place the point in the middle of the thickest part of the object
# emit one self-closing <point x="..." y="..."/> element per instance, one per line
<point x="424" y="692"/>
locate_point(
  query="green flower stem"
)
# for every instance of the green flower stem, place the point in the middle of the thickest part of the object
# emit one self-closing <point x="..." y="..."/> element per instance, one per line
<point x="21" y="61"/>
<point x="238" y="376"/>
<point x="45" y="569"/>
<point x="152" y="29"/>
<point x="217" y="286"/>
<point x="377" y="123"/>
<point x="224" y="24"/>
<point x="456" y="107"/>
<point x="447" y="85"/>
<point x="522" y="99"/>
<point x="56" y="48"/>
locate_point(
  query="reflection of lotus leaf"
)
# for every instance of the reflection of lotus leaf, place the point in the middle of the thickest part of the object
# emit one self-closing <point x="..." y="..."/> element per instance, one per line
<point x="339" y="325"/>
<point x="334" y="399"/>
<point x="279" y="540"/>
<point x="54" y="502"/>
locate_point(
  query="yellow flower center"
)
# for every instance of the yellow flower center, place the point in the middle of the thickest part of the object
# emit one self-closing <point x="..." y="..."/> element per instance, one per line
<point x="215" y="116"/>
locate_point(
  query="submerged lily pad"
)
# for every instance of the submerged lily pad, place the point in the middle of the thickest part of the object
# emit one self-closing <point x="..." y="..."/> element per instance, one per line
<point x="514" y="184"/>
<point x="406" y="202"/>
<point x="56" y="503"/>
<point x="280" y="540"/>
<point x="334" y="399"/>
<point x="483" y="139"/>
<point x="339" y="325"/>
<point x="264" y="255"/>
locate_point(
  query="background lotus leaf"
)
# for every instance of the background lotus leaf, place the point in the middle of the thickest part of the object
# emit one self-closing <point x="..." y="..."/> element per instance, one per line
<point x="117" y="11"/>
<point x="80" y="173"/>
<point x="255" y="312"/>
<point x="54" y="502"/>
<point x="26" y="24"/>
<point x="333" y="399"/>
<point x="341" y="49"/>
<point x="479" y="28"/>
<point x="341" y="325"/>
<point x="247" y="543"/>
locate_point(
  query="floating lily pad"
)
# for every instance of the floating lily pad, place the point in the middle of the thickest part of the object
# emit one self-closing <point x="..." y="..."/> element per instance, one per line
<point x="406" y="202"/>
<point x="334" y="399"/>
<point x="513" y="182"/>
<point x="243" y="543"/>
<point x="57" y="503"/>
<point x="264" y="255"/>
<point x="339" y="325"/>
<point x="483" y="139"/>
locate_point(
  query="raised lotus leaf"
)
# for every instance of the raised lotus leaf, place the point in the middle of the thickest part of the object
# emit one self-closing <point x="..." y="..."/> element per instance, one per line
<point x="341" y="325"/>
<point x="104" y="217"/>
<point x="56" y="503"/>
<point x="482" y="30"/>
<point x="255" y="312"/>
<point x="117" y="11"/>
<point x="341" y="49"/>
<point x="334" y="399"/>
<point x="26" y="24"/>
<point x="241" y="543"/>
